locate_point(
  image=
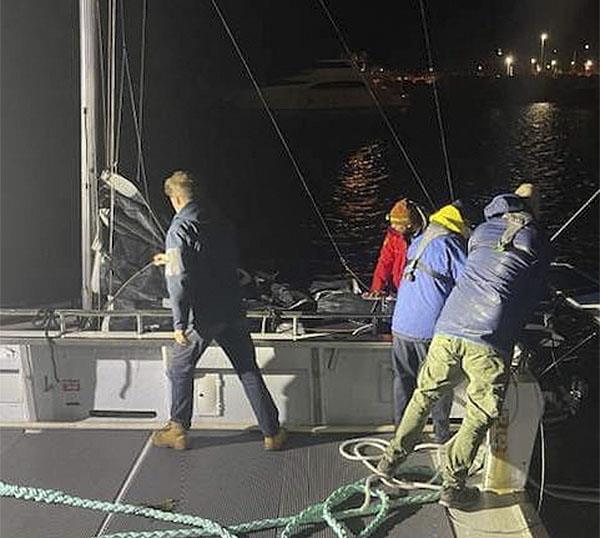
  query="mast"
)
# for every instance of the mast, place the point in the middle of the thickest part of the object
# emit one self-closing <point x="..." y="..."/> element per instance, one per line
<point x="89" y="186"/>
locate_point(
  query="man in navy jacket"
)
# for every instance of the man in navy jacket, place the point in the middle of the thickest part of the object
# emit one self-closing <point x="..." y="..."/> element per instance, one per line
<point x="435" y="260"/>
<point x="201" y="273"/>
<point x="500" y="285"/>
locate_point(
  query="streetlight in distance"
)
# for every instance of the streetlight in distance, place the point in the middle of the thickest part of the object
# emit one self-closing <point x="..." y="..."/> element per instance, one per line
<point x="543" y="39"/>
<point x="534" y="66"/>
<point x="509" y="61"/>
<point x="588" y="66"/>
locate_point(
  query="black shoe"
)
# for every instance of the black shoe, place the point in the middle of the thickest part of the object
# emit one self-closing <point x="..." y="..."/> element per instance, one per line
<point x="460" y="498"/>
<point x="387" y="467"/>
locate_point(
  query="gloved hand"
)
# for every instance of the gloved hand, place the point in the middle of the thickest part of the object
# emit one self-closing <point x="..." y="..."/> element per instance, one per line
<point x="371" y="294"/>
<point x="160" y="259"/>
<point x="180" y="337"/>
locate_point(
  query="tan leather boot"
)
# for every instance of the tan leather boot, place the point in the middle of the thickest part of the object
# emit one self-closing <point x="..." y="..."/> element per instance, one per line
<point x="276" y="442"/>
<point x="173" y="435"/>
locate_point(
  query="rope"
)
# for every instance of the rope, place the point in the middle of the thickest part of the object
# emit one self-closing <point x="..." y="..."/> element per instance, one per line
<point x="575" y="215"/>
<point x="317" y="513"/>
<point x="327" y="511"/>
<point x="285" y="144"/>
<point x="124" y="285"/>
<point x="48" y="320"/>
<point x="436" y="99"/>
<point x="377" y="103"/>
<point x="354" y="450"/>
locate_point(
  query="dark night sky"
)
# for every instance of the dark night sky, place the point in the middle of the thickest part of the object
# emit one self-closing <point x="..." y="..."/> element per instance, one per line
<point x="462" y="32"/>
<point x="189" y="58"/>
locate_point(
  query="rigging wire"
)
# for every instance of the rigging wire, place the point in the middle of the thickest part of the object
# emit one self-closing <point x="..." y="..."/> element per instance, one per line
<point x="436" y="99"/>
<point x="141" y="93"/>
<point x="135" y="116"/>
<point x="286" y="145"/>
<point x="102" y="77"/>
<point x="112" y="58"/>
<point x="111" y="164"/>
<point x="564" y="357"/>
<point x="543" y="467"/>
<point x="377" y="103"/>
<point x="575" y="215"/>
<point x="120" y="113"/>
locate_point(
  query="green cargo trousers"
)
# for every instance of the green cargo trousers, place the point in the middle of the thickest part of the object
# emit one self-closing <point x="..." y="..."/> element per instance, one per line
<point x="448" y="359"/>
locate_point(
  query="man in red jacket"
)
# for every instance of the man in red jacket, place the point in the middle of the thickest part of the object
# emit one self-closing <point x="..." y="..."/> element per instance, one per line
<point x="405" y="220"/>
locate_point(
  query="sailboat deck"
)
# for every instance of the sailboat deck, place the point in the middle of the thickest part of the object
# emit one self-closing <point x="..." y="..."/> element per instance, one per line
<point x="225" y="476"/>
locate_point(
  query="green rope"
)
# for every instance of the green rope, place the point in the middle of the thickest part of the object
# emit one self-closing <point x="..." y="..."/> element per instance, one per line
<point x="317" y="513"/>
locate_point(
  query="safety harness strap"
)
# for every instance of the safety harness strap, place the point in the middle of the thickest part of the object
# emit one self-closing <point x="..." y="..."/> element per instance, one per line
<point x="433" y="231"/>
<point x="516" y="222"/>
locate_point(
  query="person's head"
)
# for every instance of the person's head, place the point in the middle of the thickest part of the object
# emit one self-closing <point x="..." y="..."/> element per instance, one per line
<point x="531" y="196"/>
<point x="180" y="187"/>
<point x="451" y="217"/>
<point x="406" y="217"/>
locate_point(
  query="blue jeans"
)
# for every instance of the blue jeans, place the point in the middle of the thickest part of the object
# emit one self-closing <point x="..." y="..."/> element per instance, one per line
<point x="407" y="357"/>
<point x="235" y="340"/>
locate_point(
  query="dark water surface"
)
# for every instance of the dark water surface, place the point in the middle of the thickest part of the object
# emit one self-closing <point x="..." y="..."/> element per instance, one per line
<point x="348" y="158"/>
<point x="356" y="171"/>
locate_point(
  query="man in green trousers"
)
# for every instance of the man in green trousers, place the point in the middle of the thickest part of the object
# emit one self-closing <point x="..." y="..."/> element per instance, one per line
<point x="501" y="284"/>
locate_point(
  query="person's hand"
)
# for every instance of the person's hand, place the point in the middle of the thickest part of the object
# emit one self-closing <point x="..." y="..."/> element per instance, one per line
<point x="373" y="294"/>
<point x="160" y="259"/>
<point x="180" y="337"/>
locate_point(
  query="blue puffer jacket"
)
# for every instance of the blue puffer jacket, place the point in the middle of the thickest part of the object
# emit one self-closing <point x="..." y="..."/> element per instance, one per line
<point x="420" y="301"/>
<point x="498" y="289"/>
<point x="201" y="272"/>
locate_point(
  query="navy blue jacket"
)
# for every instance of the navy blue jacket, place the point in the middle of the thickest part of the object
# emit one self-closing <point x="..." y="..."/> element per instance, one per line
<point x="499" y="288"/>
<point x="201" y="272"/>
<point x="420" y="301"/>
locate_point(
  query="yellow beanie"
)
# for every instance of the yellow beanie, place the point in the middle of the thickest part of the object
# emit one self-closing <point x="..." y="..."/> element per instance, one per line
<point x="450" y="217"/>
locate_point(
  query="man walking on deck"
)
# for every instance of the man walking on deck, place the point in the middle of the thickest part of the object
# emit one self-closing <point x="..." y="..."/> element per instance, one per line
<point x="435" y="260"/>
<point x="201" y="274"/>
<point x="501" y="283"/>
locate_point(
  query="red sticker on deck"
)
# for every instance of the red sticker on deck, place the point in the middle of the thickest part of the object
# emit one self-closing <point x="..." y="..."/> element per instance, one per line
<point x="71" y="385"/>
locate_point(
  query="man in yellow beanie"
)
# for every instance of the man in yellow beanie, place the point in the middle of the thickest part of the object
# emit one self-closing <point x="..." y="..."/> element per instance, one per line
<point x="436" y="258"/>
<point x="501" y="283"/>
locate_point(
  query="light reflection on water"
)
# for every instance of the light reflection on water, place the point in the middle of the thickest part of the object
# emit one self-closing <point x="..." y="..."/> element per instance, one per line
<point x="540" y="143"/>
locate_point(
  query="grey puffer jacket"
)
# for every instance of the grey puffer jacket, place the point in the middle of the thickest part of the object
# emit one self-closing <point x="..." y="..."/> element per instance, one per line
<point x="499" y="286"/>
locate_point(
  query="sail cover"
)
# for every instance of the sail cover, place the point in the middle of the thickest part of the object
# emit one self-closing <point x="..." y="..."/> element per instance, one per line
<point x="137" y="235"/>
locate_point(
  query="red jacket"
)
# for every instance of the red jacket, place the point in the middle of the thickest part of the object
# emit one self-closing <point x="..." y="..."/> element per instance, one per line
<point x="392" y="259"/>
